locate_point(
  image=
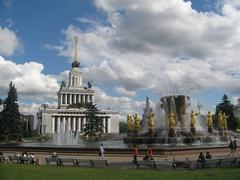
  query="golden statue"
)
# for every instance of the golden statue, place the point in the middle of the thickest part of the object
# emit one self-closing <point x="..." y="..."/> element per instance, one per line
<point x="193" y="119"/>
<point x="171" y="121"/>
<point x="225" y="117"/>
<point x="137" y="120"/>
<point x="129" y="122"/>
<point x="151" y="120"/>
<point x="220" y="120"/>
<point x="209" y="120"/>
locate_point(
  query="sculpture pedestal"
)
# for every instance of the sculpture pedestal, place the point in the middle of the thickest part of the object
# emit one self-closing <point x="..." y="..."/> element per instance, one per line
<point x="193" y="130"/>
<point x="151" y="132"/>
<point x="221" y="132"/>
<point x="171" y="132"/>
<point x="210" y="129"/>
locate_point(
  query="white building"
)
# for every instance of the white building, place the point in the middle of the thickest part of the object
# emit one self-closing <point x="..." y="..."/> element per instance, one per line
<point x="70" y="115"/>
<point x="237" y="110"/>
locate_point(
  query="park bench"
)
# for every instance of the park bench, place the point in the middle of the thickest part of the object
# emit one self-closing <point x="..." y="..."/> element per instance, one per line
<point x="28" y="160"/>
<point x="227" y="162"/>
<point x="182" y="164"/>
<point x="164" y="164"/>
<point x="2" y="159"/>
<point x="14" y="158"/>
<point x="100" y="163"/>
<point x="50" y="160"/>
<point x="145" y="163"/>
<point x="214" y="162"/>
<point x="66" y="161"/>
<point x="83" y="162"/>
<point x="237" y="163"/>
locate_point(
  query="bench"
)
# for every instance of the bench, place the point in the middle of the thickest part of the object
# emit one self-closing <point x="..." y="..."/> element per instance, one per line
<point x="100" y="163"/>
<point x="145" y="163"/>
<point x="215" y="162"/>
<point x="164" y="164"/>
<point x="2" y="159"/>
<point x="50" y="160"/>
<point x="64" y="161"/>
<point x="83" y="162"/>
<point x="27" y="160"/>
<point x="227" y="162"/>
<point x="237" y="163"/>
<point x="14" y="158"/>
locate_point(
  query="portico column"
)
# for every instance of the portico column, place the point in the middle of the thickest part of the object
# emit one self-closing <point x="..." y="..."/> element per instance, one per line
<point x="79" y="124"/>
<point x="75" y="98"/>
<point x="74" y="124"/>
<point x="64" y="124"/>
<point x="69" y="123"/>
<point x="79" y="98"/>
<point x="58" y="125"/>
<point x="70" y="98"/>
<point x="108" y="125"/>
<point x="53" y="124"/>
<point x="89" y="99"/>
<point x="60" y="98"/>
<point x="104" y="124"/>
<point x="83" y="98"/>
<point x="93" y="99"/>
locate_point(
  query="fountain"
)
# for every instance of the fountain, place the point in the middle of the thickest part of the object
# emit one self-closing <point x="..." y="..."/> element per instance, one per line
<point x="177" y="125"/>
<point x="65" y="137"/>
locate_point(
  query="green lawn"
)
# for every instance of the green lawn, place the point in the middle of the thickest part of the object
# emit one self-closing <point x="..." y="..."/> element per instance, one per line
<point x="19" y="172"/>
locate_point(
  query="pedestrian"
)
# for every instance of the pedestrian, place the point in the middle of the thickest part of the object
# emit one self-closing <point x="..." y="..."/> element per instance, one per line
<point x="149" y="153"/>
<point x="101" y="152"/>
<point x="201" y="160"/>
<point x="231" y="146"/>
<point x="235" y="147"/>
<point x="135" y="153"/>
<point x="208" y="156"/>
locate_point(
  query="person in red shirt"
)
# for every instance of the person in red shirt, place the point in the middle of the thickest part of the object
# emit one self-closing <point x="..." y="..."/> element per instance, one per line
<point x="149" y="152"/>
<point x="135" y="153"/>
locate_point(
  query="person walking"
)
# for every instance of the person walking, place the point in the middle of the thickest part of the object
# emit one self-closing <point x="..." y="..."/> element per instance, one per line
<point x="231" y="146"/>
<point x="235" y="147"/>
<point x="135" y="153"/>
<point x="149" y="153"/>
<point x="101" y="152"/>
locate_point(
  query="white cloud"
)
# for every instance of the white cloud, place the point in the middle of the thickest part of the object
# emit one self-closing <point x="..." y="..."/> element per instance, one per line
<point x="122" y="91"/>
<point x="29" y="80"/>
<point x="162" y="47"/>
<point x="9" y="42"/>
<point x="7" y="3"/>
<point x="123" y="104"/>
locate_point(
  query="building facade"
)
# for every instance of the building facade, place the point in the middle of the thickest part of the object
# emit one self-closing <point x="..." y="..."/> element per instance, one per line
<point x="70" y="115"/>
<point x="237" y="110"/>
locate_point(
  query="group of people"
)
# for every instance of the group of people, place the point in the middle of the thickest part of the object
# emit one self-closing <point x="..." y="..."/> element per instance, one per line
<point x="148" y="155"/>
<point x="202" y="158"/>
<point x="233" y="148"/>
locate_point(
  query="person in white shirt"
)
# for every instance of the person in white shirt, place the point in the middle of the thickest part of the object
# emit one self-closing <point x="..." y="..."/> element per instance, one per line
<point x="101" y="152"/>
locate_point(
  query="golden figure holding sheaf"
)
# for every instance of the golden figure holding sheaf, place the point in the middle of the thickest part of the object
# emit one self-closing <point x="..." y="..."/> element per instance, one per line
<point x="137" y="121"/>
<point x="130" y="122"/>
<point x="171" y="120"/>
<point x="209" y="119"/>
<point x="225" y="124"/>
<point x="193" y="119"/>
<point x="151" y="121"/>
<point x="220" y="120"/>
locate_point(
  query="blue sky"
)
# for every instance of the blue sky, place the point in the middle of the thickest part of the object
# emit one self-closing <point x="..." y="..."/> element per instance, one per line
<point x="128" y="49"/>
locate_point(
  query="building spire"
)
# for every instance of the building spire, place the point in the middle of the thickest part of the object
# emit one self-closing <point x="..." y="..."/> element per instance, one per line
<point x="75" y="63"/>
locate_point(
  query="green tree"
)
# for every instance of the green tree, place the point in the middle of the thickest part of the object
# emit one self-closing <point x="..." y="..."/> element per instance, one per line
<point x="94" y="123"/>
<point x="228" y="108"/>
<point x="123" y="127"/>
<point x="10" y="123"/>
